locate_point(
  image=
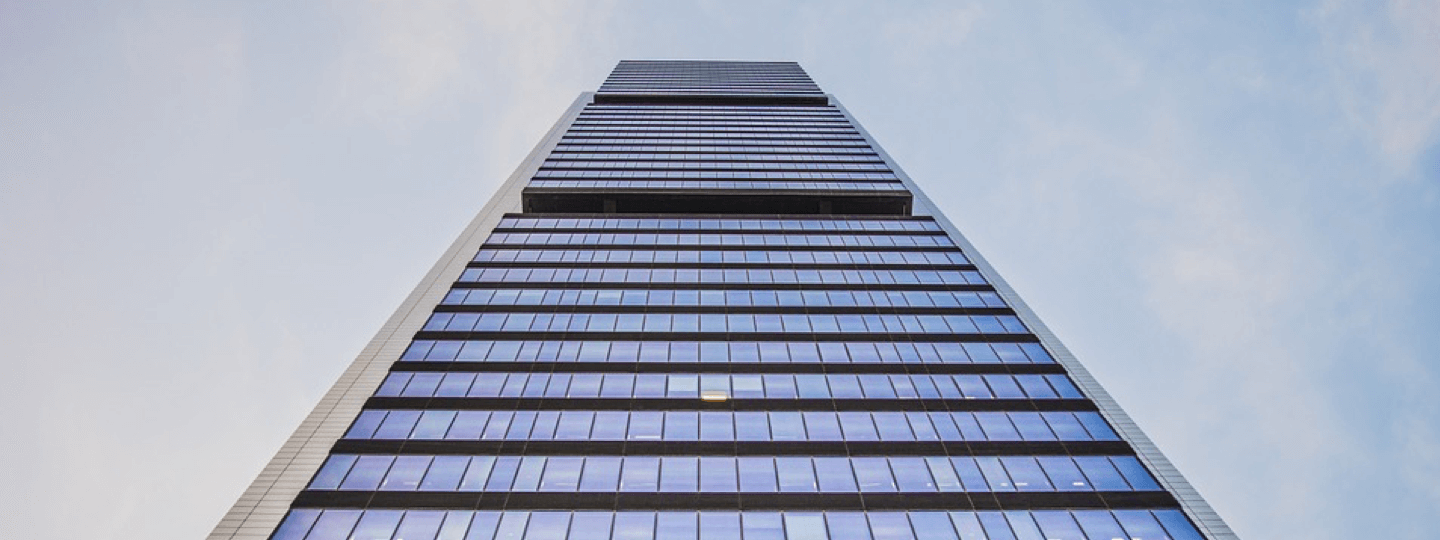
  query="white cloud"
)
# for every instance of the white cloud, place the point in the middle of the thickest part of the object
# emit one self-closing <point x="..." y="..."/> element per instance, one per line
<point x="398" y="57"/>
<point x="1384" y="65"/>
<point x="925" y="30"/>
<point x="192" y="61"/>
<point x="404" y="59"/>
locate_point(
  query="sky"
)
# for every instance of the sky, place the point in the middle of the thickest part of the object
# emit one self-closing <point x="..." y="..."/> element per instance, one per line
<point x="1229" y="211"/>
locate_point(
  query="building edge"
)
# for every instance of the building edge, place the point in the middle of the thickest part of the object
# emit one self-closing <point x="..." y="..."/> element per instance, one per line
<point x="1199" y="511"/>
<point x="265" y="502"/>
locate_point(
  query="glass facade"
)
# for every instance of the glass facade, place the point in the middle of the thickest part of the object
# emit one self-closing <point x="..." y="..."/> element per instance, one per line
<point x="716" y="317"/>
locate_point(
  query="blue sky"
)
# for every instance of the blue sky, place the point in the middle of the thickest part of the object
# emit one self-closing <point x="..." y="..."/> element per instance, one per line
<point x="1229" y="211"/>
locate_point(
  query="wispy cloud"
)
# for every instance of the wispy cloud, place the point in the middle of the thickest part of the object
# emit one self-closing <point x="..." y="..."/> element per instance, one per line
<point x="404" y="59"/>
<point x="1383" y="63"/>
<point x="925" y="29"/>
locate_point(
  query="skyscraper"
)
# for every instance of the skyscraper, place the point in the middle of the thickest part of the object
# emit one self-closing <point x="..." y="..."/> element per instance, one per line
<point x="709" y="306"/>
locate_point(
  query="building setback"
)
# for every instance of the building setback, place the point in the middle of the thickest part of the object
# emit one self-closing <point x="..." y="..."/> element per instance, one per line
<point x="709" y="306"/>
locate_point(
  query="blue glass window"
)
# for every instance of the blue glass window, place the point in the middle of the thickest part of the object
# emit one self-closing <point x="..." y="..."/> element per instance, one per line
<point x="1101" y="473"/>
<point x="1134" y="473"/>
<point x="723" y="426"/>
<point x="338" y="524"/>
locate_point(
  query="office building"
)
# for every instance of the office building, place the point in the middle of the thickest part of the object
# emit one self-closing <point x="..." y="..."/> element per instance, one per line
<point x="708" y="306"/>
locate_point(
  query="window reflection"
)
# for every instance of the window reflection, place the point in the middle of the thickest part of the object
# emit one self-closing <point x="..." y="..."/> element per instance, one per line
<point x="728" y="426"/>
<point x="335" y="524"/>
<point x="747" y="474"/>
<point x="727" y="386"/>
<point x="727" y="322"/>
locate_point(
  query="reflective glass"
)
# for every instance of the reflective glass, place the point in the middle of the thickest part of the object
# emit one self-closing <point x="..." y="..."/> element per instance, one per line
<point x="338" y="524"/>
<point x="656" y="351"/>
<point x="726" y="426"/>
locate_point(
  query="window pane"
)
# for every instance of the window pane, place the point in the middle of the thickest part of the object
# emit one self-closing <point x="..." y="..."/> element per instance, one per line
<point x="640" y="474"/>
<point x="600" y="474"/>
<point x="634" y="526"/>
<point x="502" y="472"/>
<point x="968" y="525"/>
<point x="367" y="472"/>
<point x="1063" y="472"/>
<point x="804" y="526"/>
<point x="1026" y="473"/>
<point x="912" y="475"/>
<point x="591" y="525"/>
<point x="718" y="475"/>
<point x="1177" y="525"/>
<point x="376" y="525"/>
<point x="528" y="476"/>
<point x="847" y="526"/>
<point x="757" y="474"/>
<point x="796" y="474"/>
<point x="873" y="475"/>
<point x="834" y="474"/>
<point x="996" y="527"/>
<point x="1101" y="473"/>
<point x="1140" y="525"/>
<point x="477" y="474"/>
<point x="405" y="473"/>
<point x="1098" y="524"/>
<point x="890" y="526"/>
<point x="561" y="474"/>
<point x="334" y="525"/>
<point x="995" y="473"/>
<point x="548" y="526"/>
<point x="675" y="525"/>
<point x="1057" y="525"/>
<point x="332" y="473"/>
<point x="296" y="524"/>
<point x="512" y="525"/>
<point x="762" y="526"/>
<point x="679" y="474"/>
<point x="445" y="473"/>
<point x="717" y="426"/>
<point x="932" y="526"/>
<point x="822" y="426"/>
<point x="944" y="474"/>
<point x="719" y="525"/>
<point x="1135" y="473"/>
<point x="1023" y="527"/>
